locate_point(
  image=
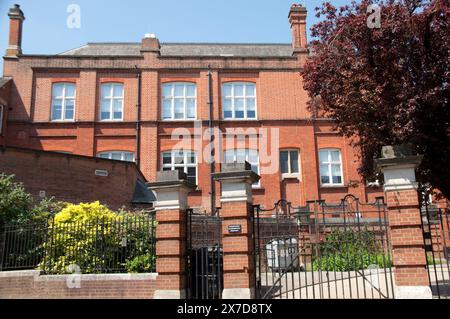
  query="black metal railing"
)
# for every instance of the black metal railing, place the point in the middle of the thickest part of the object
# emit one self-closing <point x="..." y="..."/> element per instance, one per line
<point x="125" y="244"/>
<point x="323" y="251"/>
<point x="204" y="265"/>
<point x="436" y="236"/>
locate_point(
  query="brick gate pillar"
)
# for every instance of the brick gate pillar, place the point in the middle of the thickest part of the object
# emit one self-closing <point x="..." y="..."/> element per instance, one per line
<point x="398" y="165"/>
<point x="237" y="208"/>
<point x="171" y="190"/>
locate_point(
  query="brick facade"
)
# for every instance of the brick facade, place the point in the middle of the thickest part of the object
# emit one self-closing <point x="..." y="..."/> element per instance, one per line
<point x="281" y="104"/>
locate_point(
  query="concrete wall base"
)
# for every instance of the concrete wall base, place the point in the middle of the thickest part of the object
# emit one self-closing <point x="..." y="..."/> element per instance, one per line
<point x="239" y="293"/>
<point x="169" y="294"/>
<point x="413" y="292"/>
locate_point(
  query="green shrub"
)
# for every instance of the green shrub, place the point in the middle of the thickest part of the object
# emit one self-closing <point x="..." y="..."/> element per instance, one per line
<point x="350" y="250"/>
<point x="96" y="239"/>
<point x="141" y="264"/>
<point x="15" y="202"/>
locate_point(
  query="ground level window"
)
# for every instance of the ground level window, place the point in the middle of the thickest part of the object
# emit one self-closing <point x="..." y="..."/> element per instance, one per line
<point x="118" y="156"/>
<point x="330" y="167"/>
<point x="289" y="162"/>
<point x="184" y="161"/>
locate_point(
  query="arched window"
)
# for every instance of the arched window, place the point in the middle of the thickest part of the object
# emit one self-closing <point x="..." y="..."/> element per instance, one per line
<point x="111" y="104"/>
<point x="118" y="156"/>
<point x="239" y="100"/>
<point x="63" y="102"/>
<point x="184" y="161"/>
<point x="179" y="101"/>
<point x="331" y="167"/>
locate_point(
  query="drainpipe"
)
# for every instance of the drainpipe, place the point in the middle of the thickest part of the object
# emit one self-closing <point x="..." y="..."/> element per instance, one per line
<point x="138" y="121"/>
<point x="210" y="125"/>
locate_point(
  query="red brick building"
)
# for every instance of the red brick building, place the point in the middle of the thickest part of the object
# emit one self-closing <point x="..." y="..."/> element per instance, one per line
<point x="124" y="100"/>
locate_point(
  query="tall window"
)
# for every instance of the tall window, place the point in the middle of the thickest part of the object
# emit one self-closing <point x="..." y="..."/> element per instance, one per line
<point x="63" y="102"/>
<point x="184" y="161"/>
<point x="239" y="100"/>
<point x="111" y="105"/>
<point x="242" y="155"/>
<point x="179" y="101"/>
<point x="289" y="162"/>
<point x="118" y="156"/>
<point x="330" y="167"/>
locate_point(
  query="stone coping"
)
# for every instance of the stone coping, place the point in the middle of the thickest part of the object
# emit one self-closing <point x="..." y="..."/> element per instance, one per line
<point x="84" y="277"/>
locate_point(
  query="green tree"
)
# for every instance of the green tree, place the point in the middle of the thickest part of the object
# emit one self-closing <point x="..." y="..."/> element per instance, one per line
<point x="15" y="203"/>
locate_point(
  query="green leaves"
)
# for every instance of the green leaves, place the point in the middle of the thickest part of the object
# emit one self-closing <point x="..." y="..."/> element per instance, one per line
<point x="348" y="250"/>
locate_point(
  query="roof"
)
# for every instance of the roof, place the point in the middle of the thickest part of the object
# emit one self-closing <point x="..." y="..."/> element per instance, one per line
<point x="4" y="81"/>
<point x="142" y="195"/>
<point x="186" y="49"/>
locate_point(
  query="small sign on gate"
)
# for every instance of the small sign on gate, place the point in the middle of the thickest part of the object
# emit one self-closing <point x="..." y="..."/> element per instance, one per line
<point x="234" y="229"/>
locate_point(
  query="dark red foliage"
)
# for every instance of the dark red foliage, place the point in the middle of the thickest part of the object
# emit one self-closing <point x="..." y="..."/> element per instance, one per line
<point x="387" y="85"/>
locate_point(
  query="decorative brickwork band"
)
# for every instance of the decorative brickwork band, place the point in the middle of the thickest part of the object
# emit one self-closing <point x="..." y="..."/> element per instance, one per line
<point x="236" y="199"/>
<point x="398" y="166"/>
<point x="171" y="191"/>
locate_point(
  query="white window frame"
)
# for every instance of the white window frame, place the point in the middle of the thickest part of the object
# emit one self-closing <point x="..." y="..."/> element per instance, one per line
<point x="64" y="100"/>
<point x="111" y="99"/>
<point x="172" y="99"/>
<point x="247" y="155"/>
<point x="289" y="174"/>
<point x="330" y="164"/>
<point x="122" y="155"/>
<point x="233" y="98"/>
<point x="2" y="112"/>
<point x="185" y="165"/>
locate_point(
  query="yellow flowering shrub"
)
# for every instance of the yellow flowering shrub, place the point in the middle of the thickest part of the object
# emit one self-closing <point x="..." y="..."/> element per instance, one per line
<point x="96" y="239"/>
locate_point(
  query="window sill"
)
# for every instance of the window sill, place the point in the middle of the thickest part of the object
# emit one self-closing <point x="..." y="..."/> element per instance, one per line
<point x="178" y="120"/>
<point x="290" y="176"/>
<point x="243" y="120"/>
<point x="333" y="186"/>
<point x="62" y="121"/>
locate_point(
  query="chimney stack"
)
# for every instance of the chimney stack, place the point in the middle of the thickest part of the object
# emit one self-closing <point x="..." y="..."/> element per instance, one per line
<point x="16" y="19"/>
<point x="297" y="19"/>
<point x="150" y="43"/>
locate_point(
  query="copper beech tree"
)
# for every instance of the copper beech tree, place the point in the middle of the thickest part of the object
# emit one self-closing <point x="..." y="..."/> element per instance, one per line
<point x="388" y="83"/>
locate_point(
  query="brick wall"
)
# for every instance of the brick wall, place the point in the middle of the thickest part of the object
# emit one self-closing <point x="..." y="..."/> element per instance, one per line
<point x="71" y="178"/>
<point x="31" y="285"/>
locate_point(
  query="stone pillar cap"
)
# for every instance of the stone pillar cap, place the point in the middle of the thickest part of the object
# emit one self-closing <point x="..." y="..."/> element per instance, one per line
<point x="173" y="178"/>
<point x="396" y="155"/>
<point x="237" y="171"/>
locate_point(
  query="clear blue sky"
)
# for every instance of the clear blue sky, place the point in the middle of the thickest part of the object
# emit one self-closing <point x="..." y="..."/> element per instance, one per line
<point x="253" y="21"/>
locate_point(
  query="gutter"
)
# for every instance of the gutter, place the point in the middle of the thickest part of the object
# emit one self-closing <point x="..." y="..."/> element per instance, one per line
<point x="138" y="121"/>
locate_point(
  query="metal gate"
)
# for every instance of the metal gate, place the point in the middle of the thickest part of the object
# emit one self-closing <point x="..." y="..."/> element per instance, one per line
<point x="323" y="251"/>
<point x="204" y="256"/>
<point x="436" y="235"/>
